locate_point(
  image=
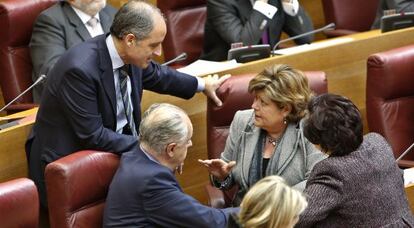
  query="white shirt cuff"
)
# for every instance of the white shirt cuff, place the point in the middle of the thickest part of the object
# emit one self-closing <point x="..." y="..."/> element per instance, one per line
<point x="264" y="8"/>
<point x="201" y="85"/>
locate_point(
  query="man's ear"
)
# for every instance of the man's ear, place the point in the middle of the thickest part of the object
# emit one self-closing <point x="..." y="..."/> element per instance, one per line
<point x="170" y="149"/>
<point x="129" y="39"/>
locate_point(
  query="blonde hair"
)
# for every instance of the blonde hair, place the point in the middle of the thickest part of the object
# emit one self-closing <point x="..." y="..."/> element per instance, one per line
<point x="271" y="203"/>
<point x="284" y="85"/>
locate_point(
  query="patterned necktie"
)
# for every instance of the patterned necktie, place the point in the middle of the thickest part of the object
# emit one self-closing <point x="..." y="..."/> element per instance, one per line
<point x="93" y="22"/>
<point x="123" y="79"/>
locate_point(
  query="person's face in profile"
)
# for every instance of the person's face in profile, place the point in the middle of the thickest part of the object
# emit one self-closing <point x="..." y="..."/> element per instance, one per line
<point x="267" y="115"/>
<point x="140" y="52"/>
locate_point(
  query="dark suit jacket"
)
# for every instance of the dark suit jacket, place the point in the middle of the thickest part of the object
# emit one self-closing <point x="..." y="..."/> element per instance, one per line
<point x="78" y="107"/>
<point x="234" y="21"/>
<point x="399" y="5"/>
<point x="144" y="193"/>
<point x="362" y="189"/>
<point x="56" y="30"/>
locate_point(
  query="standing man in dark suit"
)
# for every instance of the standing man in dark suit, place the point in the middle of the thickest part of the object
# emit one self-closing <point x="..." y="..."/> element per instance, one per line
<point x="251" y="22"/>
<point x="60" y="27"/>
<point x="92" y="99"/>
<point x="144" y="191"/>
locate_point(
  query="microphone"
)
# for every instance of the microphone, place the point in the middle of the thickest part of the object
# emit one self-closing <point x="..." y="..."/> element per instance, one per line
<point x="326" y="27"/>
<point x="405" y="152"/>
<point x="180" y="57"/>
<point x="41" y="78"/>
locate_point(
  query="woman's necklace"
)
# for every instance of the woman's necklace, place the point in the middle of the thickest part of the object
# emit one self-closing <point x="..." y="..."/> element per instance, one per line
<point x="274" y="141"/>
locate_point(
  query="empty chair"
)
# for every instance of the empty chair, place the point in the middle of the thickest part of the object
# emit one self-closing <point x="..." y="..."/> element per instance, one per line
<point x="235" y="96"/>
<point x="185" y="28"/>
<point x="350" y="16"/>
<point x="390" y="99"/>
<point x="77" y="186"/>
<point x="19" y="204"/>
<point x="16" y="23"/>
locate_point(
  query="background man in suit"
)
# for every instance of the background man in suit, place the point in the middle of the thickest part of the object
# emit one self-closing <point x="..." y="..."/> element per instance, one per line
<point x="92" y="99"/>
<point x="399" y="6"/>
<point x="144" y="191"/>
<point x="60" y="27"/>
<point x="251" y="22"/>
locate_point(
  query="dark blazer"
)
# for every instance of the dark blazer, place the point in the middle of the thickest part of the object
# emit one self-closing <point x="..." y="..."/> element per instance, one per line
<point x="144" y="193"/>
<point x="234" y="21"/>
<point x="56" y="30"/>
<point x="78" y="107"/>
<point x="399" y="6"/>
<point x="362" y="189"/>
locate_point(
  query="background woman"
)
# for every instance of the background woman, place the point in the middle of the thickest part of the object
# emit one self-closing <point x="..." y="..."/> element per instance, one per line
<point x="270" y="203"/>
<point x="268" y="139"/>
<point x="359" y="184"/>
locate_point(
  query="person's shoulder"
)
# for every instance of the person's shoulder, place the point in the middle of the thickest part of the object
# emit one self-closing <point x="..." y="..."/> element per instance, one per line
<point x="110" y="10"/>
<point x="55" y="11"/>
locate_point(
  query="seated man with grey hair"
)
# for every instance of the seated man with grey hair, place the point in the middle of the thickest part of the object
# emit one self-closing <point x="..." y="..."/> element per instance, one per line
<point x="144" y="191"/>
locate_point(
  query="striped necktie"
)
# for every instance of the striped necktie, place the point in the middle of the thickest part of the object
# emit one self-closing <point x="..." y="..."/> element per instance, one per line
<point x="123" y="79"/>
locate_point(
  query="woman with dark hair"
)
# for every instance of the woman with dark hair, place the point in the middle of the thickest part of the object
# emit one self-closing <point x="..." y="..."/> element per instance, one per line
<point x="359" y="184"/>
<point x="268" y="139"/>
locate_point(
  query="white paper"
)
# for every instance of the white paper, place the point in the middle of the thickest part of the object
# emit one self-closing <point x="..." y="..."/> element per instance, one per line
<point x="317" y="45"/>
<point x="204" y="67"/>
<point x="408" y="176"/>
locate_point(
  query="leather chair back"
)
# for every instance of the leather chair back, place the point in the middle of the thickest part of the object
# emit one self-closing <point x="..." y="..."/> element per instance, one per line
<point x="235" y="96"/>
<point x="77" y="186"/>
<point x="19" y="204"/>
<point x="16" y="23"/>
<point x="185" y="28"/>
<point x="349" y="16"/>
<point x="390" y="98"/>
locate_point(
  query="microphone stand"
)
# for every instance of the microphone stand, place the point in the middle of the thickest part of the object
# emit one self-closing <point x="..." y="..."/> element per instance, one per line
<point x="180" y="57"/>
<point x="41" y="78"/>
<point x="326" y="27"/>
<point x="405" y="152"/>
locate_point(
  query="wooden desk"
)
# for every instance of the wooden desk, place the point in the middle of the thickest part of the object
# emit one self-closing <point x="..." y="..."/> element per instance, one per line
<point x="13" y="162"/>
<point x="344" y="64"/>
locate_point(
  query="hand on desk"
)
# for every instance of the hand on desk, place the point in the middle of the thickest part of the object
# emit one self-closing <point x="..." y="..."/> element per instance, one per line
<point x="218" y="168"/>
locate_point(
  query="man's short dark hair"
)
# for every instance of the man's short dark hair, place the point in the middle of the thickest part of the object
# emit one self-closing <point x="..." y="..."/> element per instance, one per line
<point x="334" y="123"/>
<point x="136" y="17"/>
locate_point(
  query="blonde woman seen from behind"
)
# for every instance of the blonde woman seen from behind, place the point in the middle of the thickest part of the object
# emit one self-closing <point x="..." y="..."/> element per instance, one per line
<point x="270" y="203"/>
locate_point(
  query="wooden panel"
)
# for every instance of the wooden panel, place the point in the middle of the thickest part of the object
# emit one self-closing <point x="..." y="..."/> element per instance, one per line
<point x="13" y="162"/>
<point x="409" y="190"/>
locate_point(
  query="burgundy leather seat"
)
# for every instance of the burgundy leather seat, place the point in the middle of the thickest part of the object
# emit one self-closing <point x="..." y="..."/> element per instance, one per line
<point x="77" y="186"/>
<point x="185" y="28"/>
<point x="16" y="23"/>
<point x="349" y="16"/>
<point x="19" y="204"/>
<point x="235" y="96"/>
<point x="390" y="99"/>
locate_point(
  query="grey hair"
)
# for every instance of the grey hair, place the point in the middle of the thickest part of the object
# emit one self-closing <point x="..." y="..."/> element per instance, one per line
<point x="136" y="17"/>
<point x="163" y="124"/>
